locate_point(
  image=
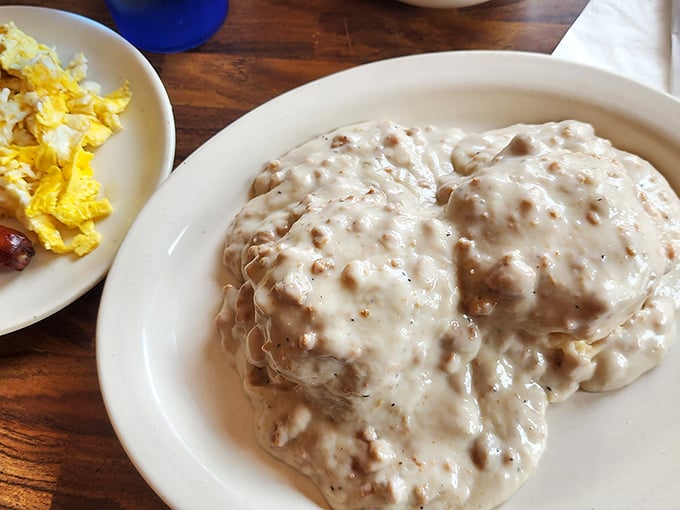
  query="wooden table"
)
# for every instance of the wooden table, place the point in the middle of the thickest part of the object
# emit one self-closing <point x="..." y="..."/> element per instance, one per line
<point x="57" y="447"/>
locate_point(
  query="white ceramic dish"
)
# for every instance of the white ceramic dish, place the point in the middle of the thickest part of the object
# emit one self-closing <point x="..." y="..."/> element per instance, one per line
<point x="130" y="164"/>
<point x="443" y="4"/>
<point x="179" y="409"/>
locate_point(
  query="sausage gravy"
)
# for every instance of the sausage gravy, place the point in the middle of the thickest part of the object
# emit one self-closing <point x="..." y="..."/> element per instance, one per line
<point x="409" y="300"/>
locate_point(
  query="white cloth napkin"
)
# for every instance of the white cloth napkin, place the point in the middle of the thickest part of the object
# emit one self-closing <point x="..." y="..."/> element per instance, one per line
<point x="629" y="37"/>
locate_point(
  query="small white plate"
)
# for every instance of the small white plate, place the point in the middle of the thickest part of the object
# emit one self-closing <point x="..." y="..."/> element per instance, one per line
<point x="178" y="407"/>
<point x="130" y="165"/>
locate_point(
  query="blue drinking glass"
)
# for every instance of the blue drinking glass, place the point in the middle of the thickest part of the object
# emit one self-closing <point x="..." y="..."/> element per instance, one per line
<point x="168" y="26"/>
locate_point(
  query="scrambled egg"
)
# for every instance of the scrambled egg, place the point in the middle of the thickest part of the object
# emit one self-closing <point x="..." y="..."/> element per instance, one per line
<point x="49" y="117"/>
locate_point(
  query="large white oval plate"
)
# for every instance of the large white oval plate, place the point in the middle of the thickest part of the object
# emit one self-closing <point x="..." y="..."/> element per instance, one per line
<point x="130" y="165"/>
<point x="179" y="409"/>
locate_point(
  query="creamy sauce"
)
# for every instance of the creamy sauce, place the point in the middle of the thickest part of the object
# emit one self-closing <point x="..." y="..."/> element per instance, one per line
<point x="409" y="300"/>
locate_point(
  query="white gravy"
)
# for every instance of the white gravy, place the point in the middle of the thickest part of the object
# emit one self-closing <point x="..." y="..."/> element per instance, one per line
<point x="409" y="300"/>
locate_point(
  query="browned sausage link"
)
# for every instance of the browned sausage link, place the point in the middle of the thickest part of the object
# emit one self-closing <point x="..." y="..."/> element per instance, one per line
<point x="16" y="250"/>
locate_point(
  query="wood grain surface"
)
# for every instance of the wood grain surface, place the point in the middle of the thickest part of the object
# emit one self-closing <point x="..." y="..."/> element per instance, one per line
<point x="58" y="449"/>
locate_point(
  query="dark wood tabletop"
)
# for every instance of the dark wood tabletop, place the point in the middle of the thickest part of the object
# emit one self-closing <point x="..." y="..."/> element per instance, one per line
<point x="58" y="449"/>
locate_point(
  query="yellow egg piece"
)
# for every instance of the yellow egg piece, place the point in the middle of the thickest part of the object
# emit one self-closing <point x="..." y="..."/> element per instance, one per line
<point x="50" y="121"/>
